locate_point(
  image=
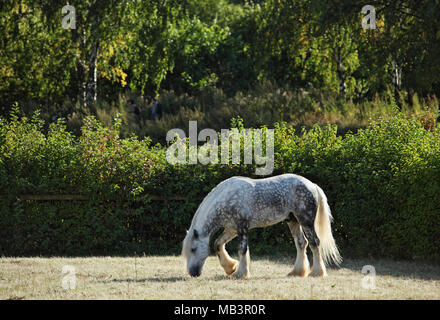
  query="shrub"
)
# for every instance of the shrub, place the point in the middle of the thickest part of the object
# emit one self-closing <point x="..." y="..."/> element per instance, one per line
<point x="381" y="183"/>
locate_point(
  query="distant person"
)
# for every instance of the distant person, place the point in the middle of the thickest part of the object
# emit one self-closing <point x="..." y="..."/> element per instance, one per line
<point x="134" y="108"/>
<point x="156" y="113"/>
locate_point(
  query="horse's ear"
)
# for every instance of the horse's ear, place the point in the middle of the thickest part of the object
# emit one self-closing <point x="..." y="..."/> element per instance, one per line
<point x="196" y="234"/>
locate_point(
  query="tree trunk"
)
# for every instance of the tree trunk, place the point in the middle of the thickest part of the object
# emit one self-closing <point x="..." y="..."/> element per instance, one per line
<point x="91" y="92"/>
<point x="340" y="72"/>
<point x="397" y="81"/>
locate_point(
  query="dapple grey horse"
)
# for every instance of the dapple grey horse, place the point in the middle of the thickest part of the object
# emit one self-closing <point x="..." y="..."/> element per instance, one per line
<point x="239" y="204"/>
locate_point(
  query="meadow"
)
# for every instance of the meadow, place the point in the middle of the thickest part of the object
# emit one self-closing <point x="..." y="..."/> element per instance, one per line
<point x="164" y="277"/>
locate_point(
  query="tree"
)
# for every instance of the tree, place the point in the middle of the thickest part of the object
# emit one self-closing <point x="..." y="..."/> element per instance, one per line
<point x="407" y="41"/>
<point x="33" y="63"/>
<point x="99" y="29"/>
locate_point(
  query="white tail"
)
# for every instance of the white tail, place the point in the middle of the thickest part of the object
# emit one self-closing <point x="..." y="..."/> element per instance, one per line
<point x="327" y="248"/>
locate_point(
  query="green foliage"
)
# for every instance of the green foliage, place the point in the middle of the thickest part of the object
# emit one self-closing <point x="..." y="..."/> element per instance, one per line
<point x="27" y="74"/>
<point x="381" y="182"/>
<point x="190" y="47"/>
<point x="385" y="168"/>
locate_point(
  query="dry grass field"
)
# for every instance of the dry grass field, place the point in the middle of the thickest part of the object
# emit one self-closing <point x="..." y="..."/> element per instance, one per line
<point x="164" y="277"/>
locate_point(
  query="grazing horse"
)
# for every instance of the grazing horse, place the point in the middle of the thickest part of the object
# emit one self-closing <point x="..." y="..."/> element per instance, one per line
<point x="239" y="204"/>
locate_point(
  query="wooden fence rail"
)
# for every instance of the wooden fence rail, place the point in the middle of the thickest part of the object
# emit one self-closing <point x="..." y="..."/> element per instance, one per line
<point x="77" y="197"/>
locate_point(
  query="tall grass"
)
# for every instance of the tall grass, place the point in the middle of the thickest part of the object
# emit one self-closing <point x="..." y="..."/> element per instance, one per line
<point x="265" y="104"/>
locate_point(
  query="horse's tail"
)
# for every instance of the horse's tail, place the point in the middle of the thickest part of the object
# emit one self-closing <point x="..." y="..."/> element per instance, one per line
<point x="328" y="249"/>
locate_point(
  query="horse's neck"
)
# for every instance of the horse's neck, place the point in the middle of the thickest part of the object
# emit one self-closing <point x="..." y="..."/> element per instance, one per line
<point x="204" y="222"/>
<point x="206" y="214"/>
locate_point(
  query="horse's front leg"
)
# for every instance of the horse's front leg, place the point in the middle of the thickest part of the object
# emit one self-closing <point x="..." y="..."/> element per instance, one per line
<point x="229" y="264"/>
<point x="243" y="252"/>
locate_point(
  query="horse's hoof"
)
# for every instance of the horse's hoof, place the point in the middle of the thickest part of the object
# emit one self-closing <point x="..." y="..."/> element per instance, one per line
<point x="320" y="273"/>
<point x="296" y="272"/>
<point x="245" y="275"/>
<point x="232" y="269"/>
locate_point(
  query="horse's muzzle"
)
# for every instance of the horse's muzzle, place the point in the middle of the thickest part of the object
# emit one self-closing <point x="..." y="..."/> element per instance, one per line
<point x="195" y="272"/>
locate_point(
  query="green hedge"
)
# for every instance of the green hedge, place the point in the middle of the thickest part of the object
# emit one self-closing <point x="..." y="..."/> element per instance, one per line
<point x="382" y="184"/>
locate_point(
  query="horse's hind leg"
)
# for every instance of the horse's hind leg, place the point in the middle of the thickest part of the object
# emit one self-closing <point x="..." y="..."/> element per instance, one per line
<point x="318" y="268"/>
<point x="229" y="264"/>
<point x="301" y="267"/>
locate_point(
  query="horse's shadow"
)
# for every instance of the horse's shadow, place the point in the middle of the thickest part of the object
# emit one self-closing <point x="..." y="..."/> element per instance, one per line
<point x="148" y="279"/>
<point x="382" y="267"/>
<point x="399" y="269"/>
<point x="164" y="279"/>
<point x="178" y="279"/>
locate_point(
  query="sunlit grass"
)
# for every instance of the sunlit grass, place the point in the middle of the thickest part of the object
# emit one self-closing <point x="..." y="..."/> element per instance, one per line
<point x="165" y="278"/>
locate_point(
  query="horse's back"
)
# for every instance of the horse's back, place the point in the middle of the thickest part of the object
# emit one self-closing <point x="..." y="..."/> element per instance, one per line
<point x="283" y="180"/>
<point x="269" y="200"/>
<point x="281" y="184"/>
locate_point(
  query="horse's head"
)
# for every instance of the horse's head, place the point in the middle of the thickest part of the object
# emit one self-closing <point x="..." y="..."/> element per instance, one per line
<point x="195" y="250"/>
